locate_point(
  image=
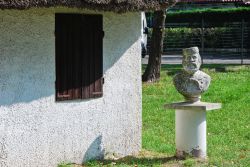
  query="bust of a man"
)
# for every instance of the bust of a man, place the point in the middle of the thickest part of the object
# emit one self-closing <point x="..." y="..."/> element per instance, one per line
<point x="191" y="82"/>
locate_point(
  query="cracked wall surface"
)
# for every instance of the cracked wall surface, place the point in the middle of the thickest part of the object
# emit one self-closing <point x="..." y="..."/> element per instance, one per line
<point x="37" y="131"/>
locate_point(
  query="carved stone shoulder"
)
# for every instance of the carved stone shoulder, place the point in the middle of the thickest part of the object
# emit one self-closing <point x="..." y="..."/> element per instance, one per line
<point x="203" y="79"/>
<point x="178" y="80"/>
<point x="191" y="86"/>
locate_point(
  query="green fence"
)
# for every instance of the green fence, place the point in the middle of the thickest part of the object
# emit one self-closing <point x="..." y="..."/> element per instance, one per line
<point x="227" y="40"/>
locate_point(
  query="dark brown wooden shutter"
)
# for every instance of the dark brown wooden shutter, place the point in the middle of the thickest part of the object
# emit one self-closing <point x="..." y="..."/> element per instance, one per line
<point x="79" y="56"/>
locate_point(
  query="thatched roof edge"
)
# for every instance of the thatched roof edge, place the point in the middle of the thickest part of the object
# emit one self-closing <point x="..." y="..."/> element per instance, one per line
<point x="102" y="5"/>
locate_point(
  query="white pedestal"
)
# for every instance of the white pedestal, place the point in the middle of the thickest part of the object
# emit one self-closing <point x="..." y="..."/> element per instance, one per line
<point x="190" y="131"/>
<point x="190" y="127"/>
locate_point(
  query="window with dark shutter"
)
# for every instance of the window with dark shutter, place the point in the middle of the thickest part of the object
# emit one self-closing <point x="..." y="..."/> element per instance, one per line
<point x="79" y="60"/>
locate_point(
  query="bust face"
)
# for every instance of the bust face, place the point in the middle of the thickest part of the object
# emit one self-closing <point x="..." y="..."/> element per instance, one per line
<point x="191" y="61"/>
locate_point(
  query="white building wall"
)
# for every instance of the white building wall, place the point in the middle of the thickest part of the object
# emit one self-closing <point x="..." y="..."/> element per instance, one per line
<point x="37" y="131"/>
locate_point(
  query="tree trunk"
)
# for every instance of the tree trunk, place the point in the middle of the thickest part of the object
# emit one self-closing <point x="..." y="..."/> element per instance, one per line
<point x="153" y="69"/>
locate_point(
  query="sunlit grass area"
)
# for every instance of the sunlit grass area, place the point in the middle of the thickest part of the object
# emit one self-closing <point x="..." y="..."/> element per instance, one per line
<point x="228" y="128"/>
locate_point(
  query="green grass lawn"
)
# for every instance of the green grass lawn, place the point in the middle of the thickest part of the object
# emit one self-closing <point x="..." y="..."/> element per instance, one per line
<point x="228" y="129"/>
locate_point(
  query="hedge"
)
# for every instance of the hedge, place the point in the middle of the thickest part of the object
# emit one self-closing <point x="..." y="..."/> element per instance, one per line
<point x="212" y="15"/>
<point x="213" y="37"/>
<point x="209" y="15"/>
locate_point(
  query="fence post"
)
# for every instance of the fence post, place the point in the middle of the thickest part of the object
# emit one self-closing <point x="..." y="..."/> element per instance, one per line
<point x="242" y="39"/>
<point x="202" y="39"/>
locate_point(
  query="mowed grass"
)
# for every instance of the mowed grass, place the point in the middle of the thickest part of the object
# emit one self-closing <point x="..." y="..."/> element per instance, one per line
<point x="228" y="129"/>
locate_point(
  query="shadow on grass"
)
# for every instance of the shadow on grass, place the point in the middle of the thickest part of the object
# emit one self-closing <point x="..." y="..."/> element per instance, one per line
<point x="172" y="69"/>
<point x="131" y="160"/>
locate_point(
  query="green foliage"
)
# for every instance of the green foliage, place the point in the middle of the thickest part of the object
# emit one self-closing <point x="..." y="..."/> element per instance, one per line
<point x="213" y="37"/>
<point x="65" y="164"/>
<point x="212" y="15"/>
<point x="212" y="10"/>
<point x="175" y="35"/>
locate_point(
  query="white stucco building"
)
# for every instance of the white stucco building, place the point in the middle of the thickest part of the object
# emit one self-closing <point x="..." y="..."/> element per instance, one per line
<point x="40" y="127"/>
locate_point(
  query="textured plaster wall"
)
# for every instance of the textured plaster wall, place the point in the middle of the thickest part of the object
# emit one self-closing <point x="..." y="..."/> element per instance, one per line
<point x="37" y="131"/>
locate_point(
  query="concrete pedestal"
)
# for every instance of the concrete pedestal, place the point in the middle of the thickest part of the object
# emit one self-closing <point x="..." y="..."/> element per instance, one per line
<point x="190" y="127"/>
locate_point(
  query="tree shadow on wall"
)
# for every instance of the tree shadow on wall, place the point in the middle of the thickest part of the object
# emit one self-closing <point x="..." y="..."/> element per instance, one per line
<point x="94" y="151"/>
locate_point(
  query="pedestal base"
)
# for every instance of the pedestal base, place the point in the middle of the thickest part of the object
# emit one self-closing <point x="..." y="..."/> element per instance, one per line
<point x="190" y="127"/>
<point x="190" y="131"/>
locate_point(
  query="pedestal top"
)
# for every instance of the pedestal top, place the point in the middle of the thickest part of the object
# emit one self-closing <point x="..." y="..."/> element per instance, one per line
<point x="197" y="106"/>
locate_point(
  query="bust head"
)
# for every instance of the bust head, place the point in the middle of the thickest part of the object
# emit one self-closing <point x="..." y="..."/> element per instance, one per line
<point x="191" y="60"/>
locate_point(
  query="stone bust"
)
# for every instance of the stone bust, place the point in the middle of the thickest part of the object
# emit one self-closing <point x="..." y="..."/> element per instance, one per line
<point x="191" y="82"/>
